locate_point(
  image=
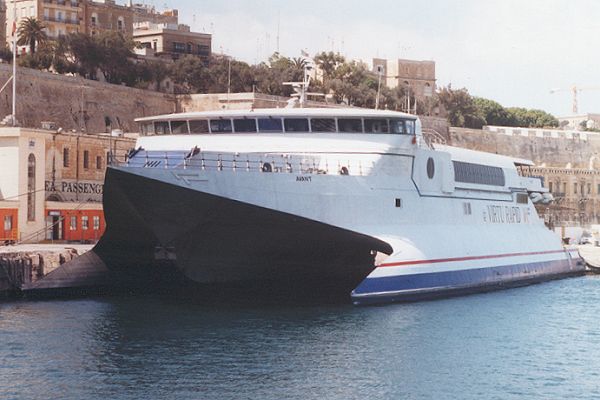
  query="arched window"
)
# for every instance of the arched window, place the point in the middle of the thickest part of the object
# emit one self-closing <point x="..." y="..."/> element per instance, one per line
<point x="427" y="90"/>
<point x="31" y="188"/>
<point x="94" y="20"/>
<point x="120" y="23"/>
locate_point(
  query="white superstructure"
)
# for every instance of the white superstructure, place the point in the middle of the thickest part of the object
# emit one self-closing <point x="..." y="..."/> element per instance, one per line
<point x="427" y="220"/>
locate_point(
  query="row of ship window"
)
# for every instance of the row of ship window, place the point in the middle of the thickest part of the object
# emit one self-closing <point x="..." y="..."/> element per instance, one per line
<point x="280" y="125"/>
<point x="479" y="174"/>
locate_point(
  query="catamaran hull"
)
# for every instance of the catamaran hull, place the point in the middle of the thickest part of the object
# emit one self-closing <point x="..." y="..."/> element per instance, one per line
<point x="213" y="241"/>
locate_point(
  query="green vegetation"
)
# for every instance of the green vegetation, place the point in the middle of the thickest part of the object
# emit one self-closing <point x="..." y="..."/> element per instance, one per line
<point x="30" y="33"/>
<point x="473" y="112"/>
<point x="349" y="82"/>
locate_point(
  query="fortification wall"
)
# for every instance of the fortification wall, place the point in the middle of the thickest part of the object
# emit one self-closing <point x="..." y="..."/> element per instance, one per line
<point x="72" y="102"/>
<point x="548" y="151"/>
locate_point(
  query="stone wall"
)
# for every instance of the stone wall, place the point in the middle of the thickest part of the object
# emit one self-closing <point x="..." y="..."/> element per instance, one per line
<point x="547" y="151"/>
<point x="438" y="124"/>
<point x="72" y="102"/>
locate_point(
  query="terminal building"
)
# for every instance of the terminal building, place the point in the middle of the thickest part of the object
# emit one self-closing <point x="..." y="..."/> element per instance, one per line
<point x="51" y="183"/>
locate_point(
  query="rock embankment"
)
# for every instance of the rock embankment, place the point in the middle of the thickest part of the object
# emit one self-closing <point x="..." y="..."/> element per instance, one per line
<point x="21" y="265"/>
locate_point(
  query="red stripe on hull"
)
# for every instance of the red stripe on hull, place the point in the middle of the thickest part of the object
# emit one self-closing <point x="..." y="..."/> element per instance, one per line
<point x="442" y="260"/>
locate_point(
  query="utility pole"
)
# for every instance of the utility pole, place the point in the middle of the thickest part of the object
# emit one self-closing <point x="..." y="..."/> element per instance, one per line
<point x="14" y="80"/>
<point x="228" y="81"/>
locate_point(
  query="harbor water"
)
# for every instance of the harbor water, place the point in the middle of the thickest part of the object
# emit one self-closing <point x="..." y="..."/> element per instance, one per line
<point x="536" y="342"/>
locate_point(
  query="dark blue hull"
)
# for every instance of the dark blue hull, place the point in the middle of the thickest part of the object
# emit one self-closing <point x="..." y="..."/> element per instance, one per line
<point x="406" y="288"/>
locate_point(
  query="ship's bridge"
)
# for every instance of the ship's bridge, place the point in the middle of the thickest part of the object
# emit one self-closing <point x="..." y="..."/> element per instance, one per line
<point x="283" y="121"/>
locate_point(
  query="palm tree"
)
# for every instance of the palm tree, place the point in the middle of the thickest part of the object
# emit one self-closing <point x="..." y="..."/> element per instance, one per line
<point x="299" y="63"/>
<point x="31" y="32"/>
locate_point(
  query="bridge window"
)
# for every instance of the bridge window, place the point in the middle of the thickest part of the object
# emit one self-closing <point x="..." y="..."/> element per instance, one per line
<point x="270" y="125"/>
<point x="296" y="124"/>
<point x="199" y="126"/>
<point x="220" y="126"/>
<point x="397" y="126"/>
<point x="179" y="127"/>
<point x="378" y="125"/>
<point x="478" y="174"/>
<point x="350" y="125"/>
<point x="161" y="127"/>
<point x="410" y="127"/>
<point x="322" y="125"/>
<point x="245" y="125"/>
<point x="147" y="128"/>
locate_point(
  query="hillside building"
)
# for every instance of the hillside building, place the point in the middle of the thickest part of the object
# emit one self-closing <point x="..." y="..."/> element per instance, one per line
<point x="418" y="77"/>
<point x="148" y="13"/>
<point x="171" y="41"/>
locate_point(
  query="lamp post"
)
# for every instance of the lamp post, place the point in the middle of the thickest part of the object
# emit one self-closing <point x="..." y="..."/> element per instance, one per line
<point x="379" y="73"/>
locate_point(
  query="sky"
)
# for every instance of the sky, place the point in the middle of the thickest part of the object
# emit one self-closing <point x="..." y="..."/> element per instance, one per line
<point x="510" y="51"/>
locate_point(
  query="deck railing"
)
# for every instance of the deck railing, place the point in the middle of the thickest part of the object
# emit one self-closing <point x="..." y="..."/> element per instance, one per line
<point x="249" y="162"/>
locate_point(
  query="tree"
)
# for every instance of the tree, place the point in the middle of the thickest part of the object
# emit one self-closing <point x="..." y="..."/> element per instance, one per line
<point x="42" y="59"/>
<point x="109" y="52"/>
<point x="461" y="108"/>
<point x="85" y="54"/>
<point x="492" y="112"/>
<point x="116" y="57"/>
<point x="62" y="61"/>
<point x="189" y="73"/>
<point x="329" y="62"/>
<point x="158" y="72"/>
<point x="30" y="33"/>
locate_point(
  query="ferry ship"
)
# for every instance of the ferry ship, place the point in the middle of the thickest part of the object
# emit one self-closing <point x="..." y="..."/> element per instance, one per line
<point x="349" y="201"/>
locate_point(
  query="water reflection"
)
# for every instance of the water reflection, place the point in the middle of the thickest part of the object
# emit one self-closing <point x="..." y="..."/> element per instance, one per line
<point x="535" y="342"/>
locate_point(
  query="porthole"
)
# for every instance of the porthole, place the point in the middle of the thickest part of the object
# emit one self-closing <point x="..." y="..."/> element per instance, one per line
<point x="430" y="168"/>
<point x="266" y="167"/>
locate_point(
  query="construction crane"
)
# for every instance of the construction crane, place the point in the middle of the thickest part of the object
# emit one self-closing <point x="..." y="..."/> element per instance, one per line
<point x="575" y="90"/>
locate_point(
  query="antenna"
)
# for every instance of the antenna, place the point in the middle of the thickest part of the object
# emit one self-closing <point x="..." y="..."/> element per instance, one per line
<point x="278" y="26"/>
<point x="14" y="76"/>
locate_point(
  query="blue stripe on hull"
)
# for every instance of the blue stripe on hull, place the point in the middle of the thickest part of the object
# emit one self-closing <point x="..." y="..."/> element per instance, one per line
<point x="439" y="284"/>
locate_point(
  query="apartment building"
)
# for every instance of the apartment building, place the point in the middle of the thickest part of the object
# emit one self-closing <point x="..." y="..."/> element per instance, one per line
<point x="62" y="17"/>
<point x="172" y="41"/>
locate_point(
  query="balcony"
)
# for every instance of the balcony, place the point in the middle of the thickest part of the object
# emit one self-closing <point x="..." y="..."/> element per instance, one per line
<point x="64" y="3"/>
<point x="61" y="20"/>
